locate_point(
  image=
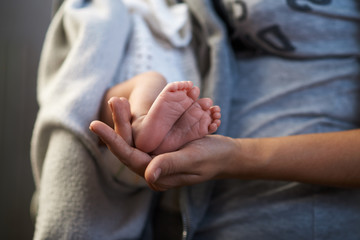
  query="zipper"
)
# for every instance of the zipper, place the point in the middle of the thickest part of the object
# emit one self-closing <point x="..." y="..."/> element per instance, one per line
<point x="185" y="215"/>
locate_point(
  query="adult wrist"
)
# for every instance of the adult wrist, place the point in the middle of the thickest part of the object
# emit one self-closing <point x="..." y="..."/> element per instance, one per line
<point x="249" y="159"/>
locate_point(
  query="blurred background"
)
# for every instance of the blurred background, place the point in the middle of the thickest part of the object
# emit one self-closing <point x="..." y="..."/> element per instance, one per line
<point x="23" y="25"/>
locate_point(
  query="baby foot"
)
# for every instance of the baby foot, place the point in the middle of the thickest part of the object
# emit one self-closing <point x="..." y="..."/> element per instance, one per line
<point x="200" y="119"/>
<point x="149" y="130"/>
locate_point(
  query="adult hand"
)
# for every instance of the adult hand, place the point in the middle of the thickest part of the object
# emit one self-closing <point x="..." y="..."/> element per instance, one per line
<point x="198" y="161"/>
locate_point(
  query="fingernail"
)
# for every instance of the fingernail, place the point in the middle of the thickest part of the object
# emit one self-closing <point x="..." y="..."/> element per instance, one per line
<point x="91" y="126"/>
<point x="157" y="174"/>
<point x="110" y="105"/>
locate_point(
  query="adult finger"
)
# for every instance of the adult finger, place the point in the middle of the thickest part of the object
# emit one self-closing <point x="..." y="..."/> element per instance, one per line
<point x="173" y="181"/>
<point x="121" y="114"/>
<point x="170" y="164"/>
<point x="136" y="160"/>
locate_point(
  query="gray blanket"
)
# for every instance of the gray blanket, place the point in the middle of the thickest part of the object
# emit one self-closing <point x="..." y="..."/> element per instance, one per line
<point x="78" y="195"/>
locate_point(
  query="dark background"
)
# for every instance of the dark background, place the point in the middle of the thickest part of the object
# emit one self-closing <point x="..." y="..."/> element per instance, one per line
<point x="23" y="24"/>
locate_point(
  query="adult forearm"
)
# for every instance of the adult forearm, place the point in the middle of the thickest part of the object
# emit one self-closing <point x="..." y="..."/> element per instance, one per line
<point x="326" y="158"/>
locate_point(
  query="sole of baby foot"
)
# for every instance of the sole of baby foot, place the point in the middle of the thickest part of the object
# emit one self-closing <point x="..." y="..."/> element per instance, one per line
<point x="168" y="107"/>
<point x="200" y="119"/>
